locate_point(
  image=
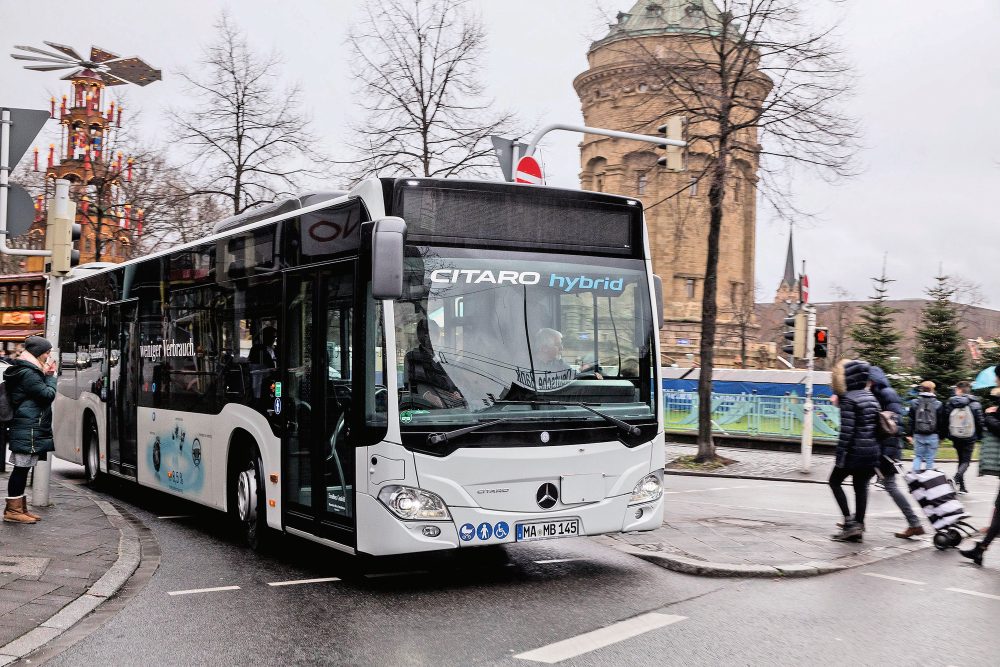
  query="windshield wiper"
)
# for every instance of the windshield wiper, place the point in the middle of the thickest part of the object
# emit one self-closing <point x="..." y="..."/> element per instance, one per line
<point x="441" y="438"/>
<point x="624" y="427"/>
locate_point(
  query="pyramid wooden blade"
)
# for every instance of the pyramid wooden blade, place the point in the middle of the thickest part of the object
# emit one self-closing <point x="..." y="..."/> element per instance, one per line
<point x="21" y="56"/>
<point x="133" y="70"/>
<point x="111" y="80"/>
<point x="99" y="55"/>
<point x="71" y="75"/>
<point x="68" y="50"/>
<point x="49" y="68"/>
<point x="43" y="52"/>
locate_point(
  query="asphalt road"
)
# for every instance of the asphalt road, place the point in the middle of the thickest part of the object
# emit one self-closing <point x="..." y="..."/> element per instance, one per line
<point x="571" y="601"/>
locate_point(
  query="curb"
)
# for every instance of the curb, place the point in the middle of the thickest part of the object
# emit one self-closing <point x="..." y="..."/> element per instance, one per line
<point x="102" y="589"/>
<point x="763" y="478"/>
<point x="797" y="570"/>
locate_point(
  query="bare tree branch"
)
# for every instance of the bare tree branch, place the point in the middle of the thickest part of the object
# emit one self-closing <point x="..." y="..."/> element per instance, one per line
<point x="416" y="61"/>
<point x="250" y="143"/>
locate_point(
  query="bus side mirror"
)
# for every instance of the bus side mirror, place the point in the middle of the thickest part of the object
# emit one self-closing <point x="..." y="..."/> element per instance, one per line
<point x="388" y="238"/>
<point x="658" y="288"/>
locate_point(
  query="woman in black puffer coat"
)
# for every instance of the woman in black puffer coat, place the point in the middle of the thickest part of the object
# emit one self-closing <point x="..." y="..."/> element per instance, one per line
<point x="857" y="448"/>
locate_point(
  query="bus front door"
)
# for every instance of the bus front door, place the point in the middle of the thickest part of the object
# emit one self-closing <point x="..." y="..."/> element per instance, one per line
<point x="123" y="386"/>
<point x="318" y="452"/>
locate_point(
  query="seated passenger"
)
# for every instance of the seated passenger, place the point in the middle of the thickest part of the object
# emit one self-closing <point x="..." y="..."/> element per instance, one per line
<point x="263" y="361"/>
<point x="423" y="373"/>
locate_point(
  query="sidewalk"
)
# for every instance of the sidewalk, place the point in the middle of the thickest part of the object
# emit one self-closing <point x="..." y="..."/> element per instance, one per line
<point x="55" y="572"/>
<point x="756" y="464"/>
<point x="768" y="533"/>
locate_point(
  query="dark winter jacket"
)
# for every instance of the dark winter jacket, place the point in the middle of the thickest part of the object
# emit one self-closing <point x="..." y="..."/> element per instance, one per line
<point x="888" y="400"/>
<point x="960" y="401"/>
<point x="992" y="421"/>
<point x="31" y="393"/>
<point x="856" y="446"/>
<point x="911" y="422"/>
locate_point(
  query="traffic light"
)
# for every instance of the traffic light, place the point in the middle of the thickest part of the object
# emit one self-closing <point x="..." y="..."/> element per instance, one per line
<point x="673" y="160"/>
<point x="61" y="234"/>
<point x="797" y="334"/>
<point x="820" y="341"/>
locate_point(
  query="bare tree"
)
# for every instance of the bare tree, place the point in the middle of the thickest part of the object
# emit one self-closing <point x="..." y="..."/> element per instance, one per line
<point x="249" y="141"/>
<point x="743" y="312"/>
<point x="752" y="67"/>
<point x="169" y="214"/>
<point x="426" y="114"/>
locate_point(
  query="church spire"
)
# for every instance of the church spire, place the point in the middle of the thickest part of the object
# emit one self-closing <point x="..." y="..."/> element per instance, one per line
<point x="788" y="290"/>
<point x="789" y="279"/>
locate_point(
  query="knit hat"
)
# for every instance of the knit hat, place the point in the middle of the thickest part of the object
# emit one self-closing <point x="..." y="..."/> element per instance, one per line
<point x="36" y="346"/>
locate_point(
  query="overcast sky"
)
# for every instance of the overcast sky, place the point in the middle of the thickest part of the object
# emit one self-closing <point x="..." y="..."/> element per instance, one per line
<point x="927" y="95"/>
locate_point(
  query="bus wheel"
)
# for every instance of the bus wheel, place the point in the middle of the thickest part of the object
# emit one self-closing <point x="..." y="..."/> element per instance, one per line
<point x="248" y="484"/>
<point x="91" y="456"/>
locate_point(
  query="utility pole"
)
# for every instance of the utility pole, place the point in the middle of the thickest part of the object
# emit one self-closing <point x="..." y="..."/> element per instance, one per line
<point x="61" y="210"/>
<point x="810" y="356"/>
<point x="807" y="409"/>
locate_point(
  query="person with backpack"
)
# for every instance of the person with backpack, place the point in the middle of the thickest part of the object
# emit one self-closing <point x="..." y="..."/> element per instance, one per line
<point x="857" y="450"/>
<point x="963" y="416"/>
<point x="924" y="426"/>
<point x="30" y="386"/>
<point x="887" y="434"/>
<point x="989" y="464"/>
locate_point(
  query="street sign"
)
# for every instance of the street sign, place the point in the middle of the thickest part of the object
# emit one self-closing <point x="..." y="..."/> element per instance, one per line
<point x="804" y="289"/>
<point x="25" y="125"/>
<point x="20" y="210"/>
<point x="504" y="148"/>
<point x="529" y="171"/>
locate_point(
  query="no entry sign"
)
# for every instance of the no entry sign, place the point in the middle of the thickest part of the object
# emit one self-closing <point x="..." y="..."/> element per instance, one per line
<point x="528" y="171"/>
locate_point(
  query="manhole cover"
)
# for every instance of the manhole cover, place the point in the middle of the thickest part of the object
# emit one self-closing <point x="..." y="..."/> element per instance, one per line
<point x="23" y="566"/>
<point x="745" y="523"/>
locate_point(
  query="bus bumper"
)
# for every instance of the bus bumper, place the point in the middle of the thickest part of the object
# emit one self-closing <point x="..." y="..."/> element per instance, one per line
<point x="385" y="535"/>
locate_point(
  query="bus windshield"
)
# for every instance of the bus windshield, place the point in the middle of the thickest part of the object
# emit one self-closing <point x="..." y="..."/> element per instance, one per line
<point x="482" y="334"/>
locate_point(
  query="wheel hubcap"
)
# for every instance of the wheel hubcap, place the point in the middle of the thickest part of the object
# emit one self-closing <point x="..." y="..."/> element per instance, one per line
<point x="246" y="495"/>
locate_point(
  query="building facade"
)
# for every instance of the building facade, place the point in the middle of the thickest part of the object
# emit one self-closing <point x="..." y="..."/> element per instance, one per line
<point x="620" y="91"/>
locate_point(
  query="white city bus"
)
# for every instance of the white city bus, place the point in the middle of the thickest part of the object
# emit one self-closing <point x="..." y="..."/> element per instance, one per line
<point x="413" y="365"/>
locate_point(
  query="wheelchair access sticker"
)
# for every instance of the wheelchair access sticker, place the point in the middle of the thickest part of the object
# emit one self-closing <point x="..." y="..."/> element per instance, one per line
<point x="484" y="531"/>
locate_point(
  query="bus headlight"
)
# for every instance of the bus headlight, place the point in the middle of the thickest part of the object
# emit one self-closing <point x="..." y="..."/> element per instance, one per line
<point x="648" y="489"/>
<point x="414" y="504"/>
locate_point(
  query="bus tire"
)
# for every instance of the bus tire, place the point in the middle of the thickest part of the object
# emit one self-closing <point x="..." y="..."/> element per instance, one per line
<point x="91" y="454"/>
<point x="247" y="501"/>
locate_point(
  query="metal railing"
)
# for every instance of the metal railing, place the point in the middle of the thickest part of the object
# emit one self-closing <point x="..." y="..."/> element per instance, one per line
<point x="751" y="414"/>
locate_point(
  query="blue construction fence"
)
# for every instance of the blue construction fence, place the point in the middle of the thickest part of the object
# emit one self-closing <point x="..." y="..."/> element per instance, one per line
<point x="751" y="402"/>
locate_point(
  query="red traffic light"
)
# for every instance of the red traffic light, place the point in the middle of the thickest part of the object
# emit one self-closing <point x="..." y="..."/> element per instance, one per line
<point x="821" y="335"/>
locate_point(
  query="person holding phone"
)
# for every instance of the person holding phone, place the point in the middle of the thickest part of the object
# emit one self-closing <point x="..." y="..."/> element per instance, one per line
<point x="31" y="388"/>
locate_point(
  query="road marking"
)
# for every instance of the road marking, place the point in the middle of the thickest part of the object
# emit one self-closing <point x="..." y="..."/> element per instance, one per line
<point x="556" y="560"/>
<point x="175" y="516"/>
<point x="886" y="576"/>
<point x="747" y="507"/>
<point x="205" y="590"/>
<point x="976" y="593"/>
<point x="591" y="641"/>
<point x="296" y="582"/>
<point x="378" y="575"/>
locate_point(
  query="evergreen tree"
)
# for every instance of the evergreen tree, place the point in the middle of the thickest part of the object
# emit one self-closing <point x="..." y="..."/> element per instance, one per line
<point x="940" y="353"/>
<point x="876" y="339"/>
<point x="991" y="357"/>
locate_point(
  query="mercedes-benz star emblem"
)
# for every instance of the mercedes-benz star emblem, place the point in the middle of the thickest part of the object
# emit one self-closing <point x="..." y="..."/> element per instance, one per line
<point x="547" y="495"/>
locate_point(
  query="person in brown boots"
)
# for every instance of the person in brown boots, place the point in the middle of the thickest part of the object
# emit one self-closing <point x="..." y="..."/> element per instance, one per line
<point x="31" y="387"/>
